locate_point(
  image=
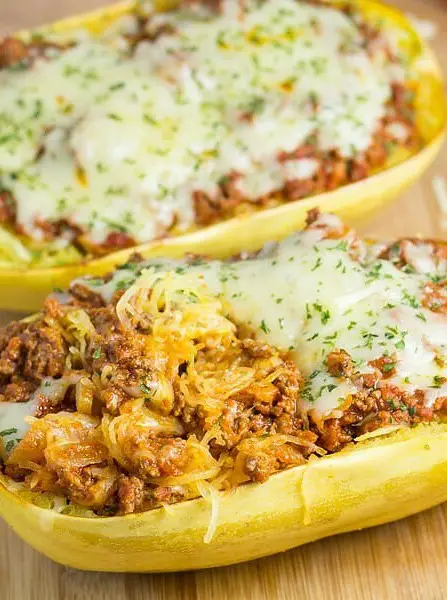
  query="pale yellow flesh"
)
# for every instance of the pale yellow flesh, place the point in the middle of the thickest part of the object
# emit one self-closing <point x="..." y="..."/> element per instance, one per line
<point x="24" y="289"/>
<point x="380" y="480"/>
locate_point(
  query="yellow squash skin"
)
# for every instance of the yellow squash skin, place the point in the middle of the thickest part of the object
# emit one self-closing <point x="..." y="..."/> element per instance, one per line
<point x="377" y="481"/>
<point x="24" y="289"/>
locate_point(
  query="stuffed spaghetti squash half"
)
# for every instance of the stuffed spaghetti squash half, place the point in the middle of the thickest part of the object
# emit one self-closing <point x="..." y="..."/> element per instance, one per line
<point x="181" y="414"/>
<point x="184" y="129"/>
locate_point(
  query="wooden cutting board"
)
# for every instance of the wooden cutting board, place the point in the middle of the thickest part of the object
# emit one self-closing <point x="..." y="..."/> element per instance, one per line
<point x="401" y="561"/>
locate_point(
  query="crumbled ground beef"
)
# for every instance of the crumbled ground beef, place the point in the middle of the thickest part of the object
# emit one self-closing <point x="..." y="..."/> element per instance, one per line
<point x="259" y="466"/>
<point x="86" y="297"/>
<point x="130" y="493"/>
<point x="339" y="363"/>
<point x="12" y="51"/>
<point x="434" y="296"/>
<point x="29" y="352"/>
<point x="379" y="404"/>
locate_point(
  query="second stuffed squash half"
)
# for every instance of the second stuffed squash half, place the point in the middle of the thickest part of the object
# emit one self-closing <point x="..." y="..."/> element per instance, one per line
<point x="202" y="130"/>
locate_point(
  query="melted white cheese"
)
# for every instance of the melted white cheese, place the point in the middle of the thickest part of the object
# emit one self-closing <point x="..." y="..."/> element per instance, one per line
<point x="13" y="425"/>
<point x="126" y="139"/>
<point x="14" y="416"/>
<point x="308" y="295"/>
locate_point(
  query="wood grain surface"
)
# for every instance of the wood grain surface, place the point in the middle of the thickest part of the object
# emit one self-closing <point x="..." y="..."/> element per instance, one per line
<point x="401" y="561"/>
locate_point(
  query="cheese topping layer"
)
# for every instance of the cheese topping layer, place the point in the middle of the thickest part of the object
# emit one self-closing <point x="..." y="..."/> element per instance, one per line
<point x="114" y="139"/>
<point x="311" y="296"/>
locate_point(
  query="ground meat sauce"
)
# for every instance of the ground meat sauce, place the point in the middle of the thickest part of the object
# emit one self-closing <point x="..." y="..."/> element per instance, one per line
<point x="378" y="405"/>
<point x="28" y="353"/>
<point x="7" y="208"/>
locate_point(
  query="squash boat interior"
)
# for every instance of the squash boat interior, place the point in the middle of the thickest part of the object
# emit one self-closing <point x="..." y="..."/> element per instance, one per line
<point x="347" y="491"/>
<point x="173" y="387"/>
<point x="24" y="289"/>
